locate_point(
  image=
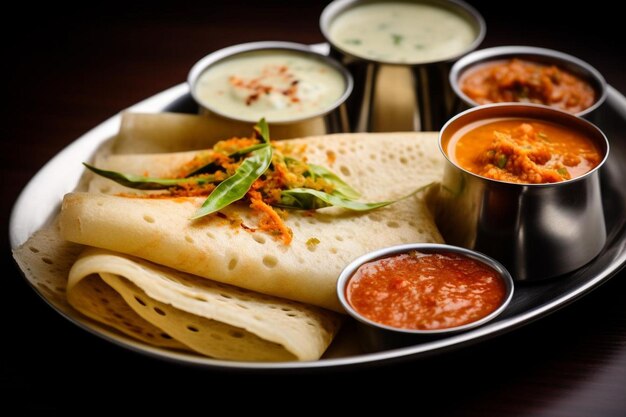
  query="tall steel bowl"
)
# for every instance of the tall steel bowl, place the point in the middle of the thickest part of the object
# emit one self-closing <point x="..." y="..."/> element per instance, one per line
<point x="537" y="231"/>
<point x="426" y="82"/>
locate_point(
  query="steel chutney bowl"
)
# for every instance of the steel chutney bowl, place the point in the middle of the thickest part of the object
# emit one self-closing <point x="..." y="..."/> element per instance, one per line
<point x="374" y="336"/>
<point x="330" y="119"/>
<point x="543" y="56"/>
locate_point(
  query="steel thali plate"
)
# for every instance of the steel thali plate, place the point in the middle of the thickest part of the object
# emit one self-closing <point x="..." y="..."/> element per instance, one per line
<point x="40" y="201"/>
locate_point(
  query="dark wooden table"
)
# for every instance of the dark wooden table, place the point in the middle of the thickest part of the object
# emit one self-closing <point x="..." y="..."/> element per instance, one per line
<point x="70" y="69"/>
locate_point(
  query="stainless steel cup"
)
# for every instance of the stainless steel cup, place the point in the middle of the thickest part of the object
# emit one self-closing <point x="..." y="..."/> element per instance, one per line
<point x="537" y="231"/>
<point x="422" y="88"/>
<point x="543" y="56"/>
<point x="332" y="119"/>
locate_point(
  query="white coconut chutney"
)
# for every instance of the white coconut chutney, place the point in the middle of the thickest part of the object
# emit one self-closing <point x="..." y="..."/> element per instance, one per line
<point x="280" y="85"/>
<point x="402" y="32"/>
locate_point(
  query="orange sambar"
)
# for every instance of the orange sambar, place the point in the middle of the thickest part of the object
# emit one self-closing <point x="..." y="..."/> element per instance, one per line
<point x="526" y="151"/>
<point x="425" y="291"/>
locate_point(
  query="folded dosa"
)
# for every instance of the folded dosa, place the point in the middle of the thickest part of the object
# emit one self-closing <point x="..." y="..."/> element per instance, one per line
<point x="175" y="132"/>
<point x="381" y="166"/>
<point x="214" y="319"/>
<point x="170" y="309"/>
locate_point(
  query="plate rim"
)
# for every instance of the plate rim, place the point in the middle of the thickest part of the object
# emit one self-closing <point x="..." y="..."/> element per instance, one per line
<point x="22" y="225"/>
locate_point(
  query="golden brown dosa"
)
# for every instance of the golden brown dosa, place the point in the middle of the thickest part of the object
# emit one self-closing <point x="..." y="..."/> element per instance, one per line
<point x="179" y="310"/>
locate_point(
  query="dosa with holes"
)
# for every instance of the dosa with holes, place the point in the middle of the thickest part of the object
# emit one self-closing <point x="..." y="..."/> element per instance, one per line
<point x="178" y="310"/>
<point x="380" y="166"/>
<point x="172" y="132"/>
<point x="170" y="309"/>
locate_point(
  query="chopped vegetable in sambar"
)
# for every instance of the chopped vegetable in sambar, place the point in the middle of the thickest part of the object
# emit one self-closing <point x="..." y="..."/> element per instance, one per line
<point x="525" y="151"/>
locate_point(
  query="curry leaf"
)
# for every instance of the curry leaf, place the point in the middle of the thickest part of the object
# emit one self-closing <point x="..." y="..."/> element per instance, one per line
<point x="235" y="187"/>
<point x="341" y="187"/>
<point x="147" y="183"/>
<point x="263" y="130"/>
<point x="213" y="166"/>
<point x="308" y="199"/>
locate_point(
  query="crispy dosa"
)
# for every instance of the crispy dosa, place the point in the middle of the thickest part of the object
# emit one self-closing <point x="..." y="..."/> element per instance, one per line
<point x="380" y="166"/>
<point x="174" y="132"/>
<point x="177" y="310"/>
<point x="170" y="309"/>
<point x="148" y="293"/>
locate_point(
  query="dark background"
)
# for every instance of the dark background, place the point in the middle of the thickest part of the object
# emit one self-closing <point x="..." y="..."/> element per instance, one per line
<point x="70" y="68"/>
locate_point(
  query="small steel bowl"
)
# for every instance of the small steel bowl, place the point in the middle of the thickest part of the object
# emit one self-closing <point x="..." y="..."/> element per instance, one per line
<point x="376" y="336"/>
<point x="428" y="100"/>
<point x="543" y="56"/>
<point x="537" y="231"/>
<point x="332" y="119"/>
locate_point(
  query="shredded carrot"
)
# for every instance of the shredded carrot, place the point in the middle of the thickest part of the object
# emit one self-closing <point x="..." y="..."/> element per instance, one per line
<point x="259" y="86"/>
<point x="270" y="221"/>
<point x="288" y="171"/>
<point x="331" y="157"/>
<point x="234" y="144"/>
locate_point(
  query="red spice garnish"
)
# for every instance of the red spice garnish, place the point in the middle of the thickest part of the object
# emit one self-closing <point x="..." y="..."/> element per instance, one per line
<point x="252" y="98"/>
<point x="247" y="228"/>
<point x="263" y="84"/>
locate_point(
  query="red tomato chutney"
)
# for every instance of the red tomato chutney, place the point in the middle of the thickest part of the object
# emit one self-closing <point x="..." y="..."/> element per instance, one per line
<point x="425" y="291"/>
<point x="524" y="81"/>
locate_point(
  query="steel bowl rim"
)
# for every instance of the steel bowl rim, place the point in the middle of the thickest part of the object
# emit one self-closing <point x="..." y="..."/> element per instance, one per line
<point x="333" y="9"/>
<point x="216" y="56"/>
<point x="486" y="55"/>
<point x="351" y="268"/>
